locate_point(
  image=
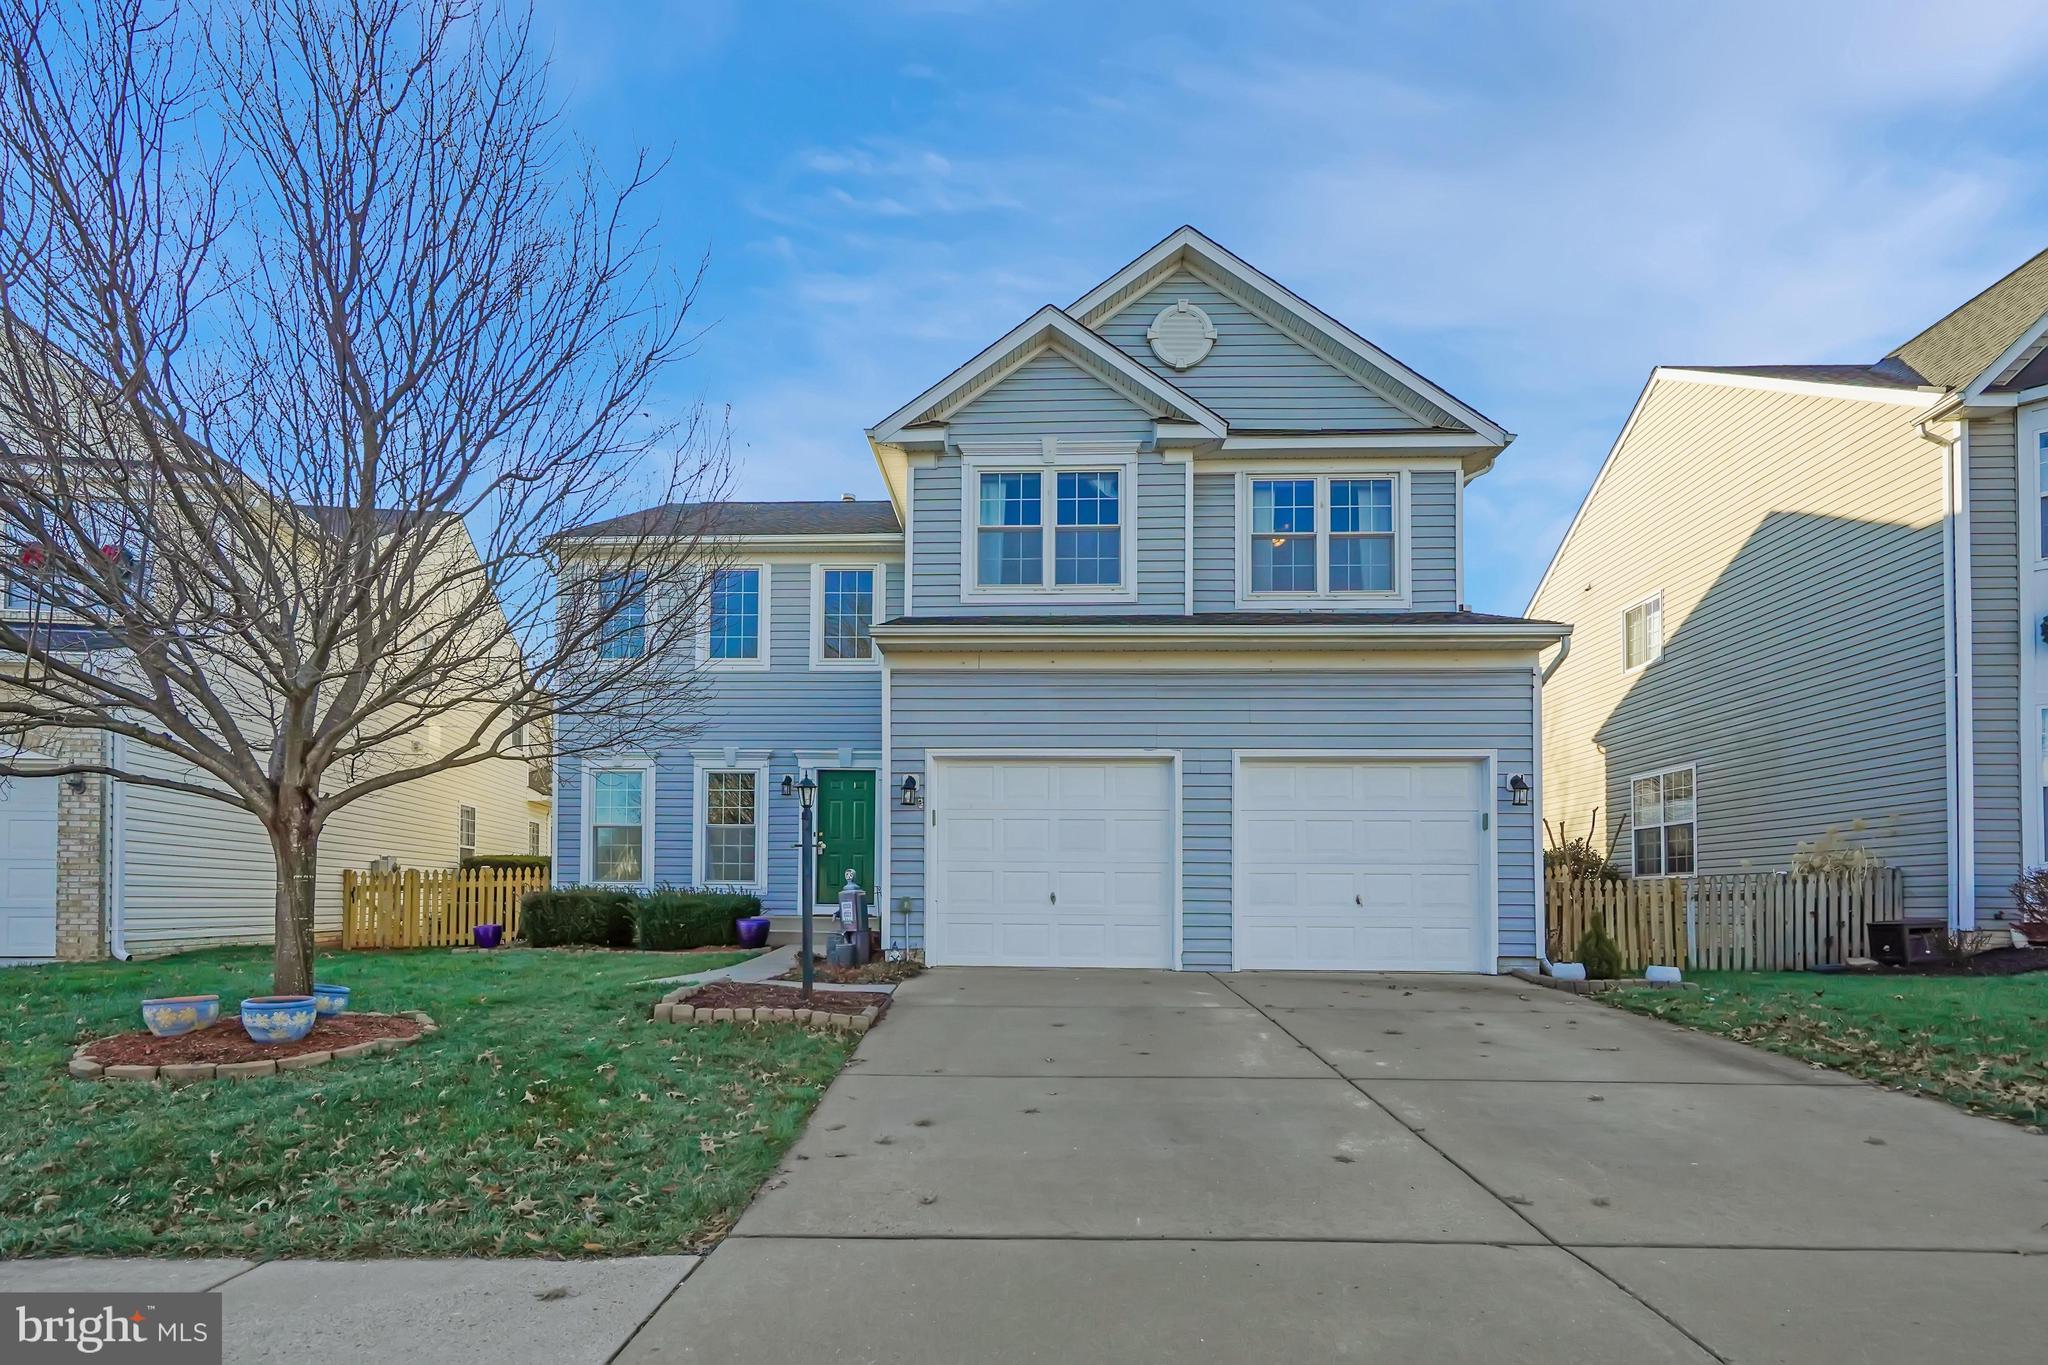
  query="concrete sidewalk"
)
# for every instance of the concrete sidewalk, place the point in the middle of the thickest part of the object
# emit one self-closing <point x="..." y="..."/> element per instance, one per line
<point x="454" y="1312"/>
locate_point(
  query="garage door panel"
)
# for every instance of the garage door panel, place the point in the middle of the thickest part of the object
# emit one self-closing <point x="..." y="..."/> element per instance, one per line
<point x="28" y="867"/>
<point x="1079" y="863"/>
<point x="1361" y="865"/>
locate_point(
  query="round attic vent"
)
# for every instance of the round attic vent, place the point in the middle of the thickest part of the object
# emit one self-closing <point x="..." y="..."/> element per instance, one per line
<point x="1181" y="335"/>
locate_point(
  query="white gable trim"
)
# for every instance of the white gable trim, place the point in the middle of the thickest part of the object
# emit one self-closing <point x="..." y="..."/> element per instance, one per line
<point x="1048" y="328"/>
<point x="1812" y="388"/>
<point x="2014" y="358"/>
<point x="1188" y="247"/>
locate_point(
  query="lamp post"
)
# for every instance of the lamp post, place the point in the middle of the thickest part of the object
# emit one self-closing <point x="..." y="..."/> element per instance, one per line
<point x="807" y="871"/>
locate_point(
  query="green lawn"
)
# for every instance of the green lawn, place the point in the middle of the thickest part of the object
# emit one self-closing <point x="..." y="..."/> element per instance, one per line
<point x="549" y="1116"/>
<point x="1981" y="1043"/>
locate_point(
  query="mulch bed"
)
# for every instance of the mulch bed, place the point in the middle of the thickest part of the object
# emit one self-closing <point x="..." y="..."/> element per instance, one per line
<point x="1997" y="962"/>
<point x="747" y="995"/>
<point x="225" y="1041"/>
<point x="873" y="974"/>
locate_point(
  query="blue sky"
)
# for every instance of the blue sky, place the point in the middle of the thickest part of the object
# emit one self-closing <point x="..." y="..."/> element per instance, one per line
<point x="1530" y="204"/>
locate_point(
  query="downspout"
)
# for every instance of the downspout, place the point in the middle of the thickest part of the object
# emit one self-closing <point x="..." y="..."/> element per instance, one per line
<point x="1564" y="649"/>
<point x="1959" y="627"/>
<point x="113" y="849"/>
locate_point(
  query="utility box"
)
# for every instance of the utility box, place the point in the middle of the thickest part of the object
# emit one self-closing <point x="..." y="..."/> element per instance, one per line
<point x="853" y="917"/>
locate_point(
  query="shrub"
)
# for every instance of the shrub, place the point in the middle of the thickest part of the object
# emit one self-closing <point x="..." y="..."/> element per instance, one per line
<point x="1599" y="952"/>
<point x="582" y="915"/>
<point x="508" y="861"/>
<point x="1579" y="859"/>
<point x="2030" y="904"/>
<point x="1833" y="855"/>
<point x="669" y="920"/>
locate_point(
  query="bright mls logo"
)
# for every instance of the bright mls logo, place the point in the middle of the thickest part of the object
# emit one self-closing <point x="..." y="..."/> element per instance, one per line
<point x="166" y="1329"/>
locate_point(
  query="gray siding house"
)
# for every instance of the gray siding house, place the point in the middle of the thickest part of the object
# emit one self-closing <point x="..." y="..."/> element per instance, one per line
<point x="1811" y="598"/>
<point x="1156" y="656"/>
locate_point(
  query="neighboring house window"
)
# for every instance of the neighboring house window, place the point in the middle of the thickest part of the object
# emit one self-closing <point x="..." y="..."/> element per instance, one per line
<point x="844" y="606"/>
<point x="1642" y="634"/>
<point x="2041" y="483"/>
<point x="1663" y="811"/>
<point x="732" y="827"/>
<point x="622" y="598"/>
<point x="618" y="824"/>
<point x="1049" y="531"/>
<point x="736" y="617"/>
<point x="465" y="831"/>
<point x="533" y="838"/>
<point x="1317" y="536"/>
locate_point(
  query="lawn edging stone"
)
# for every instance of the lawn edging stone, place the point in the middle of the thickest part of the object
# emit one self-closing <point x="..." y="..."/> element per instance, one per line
<point x="1600" y="987"/>
<point x="84" y="1066"/>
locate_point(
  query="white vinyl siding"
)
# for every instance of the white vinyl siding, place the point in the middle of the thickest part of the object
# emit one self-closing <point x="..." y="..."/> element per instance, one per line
<point x="1663" y="828"/>
<point x="1796" y="542"/>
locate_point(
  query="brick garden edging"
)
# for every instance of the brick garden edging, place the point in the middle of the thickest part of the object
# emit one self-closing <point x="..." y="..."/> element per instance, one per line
<point x="84" y="1068"/>
<point x="675" y="1009"/>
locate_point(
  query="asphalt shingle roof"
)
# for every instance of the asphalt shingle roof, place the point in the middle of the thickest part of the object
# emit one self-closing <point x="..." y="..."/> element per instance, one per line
<point x="1964" y="344"/>
<point x="1882" y="375"/>
<point x="839" y="517"/>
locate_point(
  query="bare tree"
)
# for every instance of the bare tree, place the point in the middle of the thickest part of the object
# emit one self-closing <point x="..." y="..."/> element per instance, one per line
<point x="315" y="333"/>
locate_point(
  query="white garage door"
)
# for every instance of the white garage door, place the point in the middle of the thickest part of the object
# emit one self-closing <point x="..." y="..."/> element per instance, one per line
<point x="1052" y="863"/>
<point x="28" y="867"/>
<point x="1365" y="865"/>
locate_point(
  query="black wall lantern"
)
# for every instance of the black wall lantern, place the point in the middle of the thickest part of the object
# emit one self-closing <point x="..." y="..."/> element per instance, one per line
<point x="911" y="796"/>
<point x="1518" y="788"/>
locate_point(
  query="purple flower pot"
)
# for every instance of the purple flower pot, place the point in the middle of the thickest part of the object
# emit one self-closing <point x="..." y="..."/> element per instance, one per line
<point x="488" y="935"/>
<point x="754" y="931"/>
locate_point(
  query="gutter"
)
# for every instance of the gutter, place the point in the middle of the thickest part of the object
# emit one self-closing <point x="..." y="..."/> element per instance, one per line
<point x="113" y="850"/>
<point x="1535" y="635"/>
<point x="1564" y="651"/>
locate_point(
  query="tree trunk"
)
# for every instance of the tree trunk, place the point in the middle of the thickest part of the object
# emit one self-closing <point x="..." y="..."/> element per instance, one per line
<point x="296" y="846"/>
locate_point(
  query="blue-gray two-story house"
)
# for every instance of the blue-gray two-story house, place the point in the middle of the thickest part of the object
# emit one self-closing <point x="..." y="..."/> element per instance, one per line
<point x="1155" y="656"/>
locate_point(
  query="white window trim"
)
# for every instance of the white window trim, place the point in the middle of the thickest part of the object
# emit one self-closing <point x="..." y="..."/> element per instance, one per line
<point x="1660" y="774"/>
<point x="699" y="810"/>
<point x="2039" y="529"/>
<point x="1656" y="600"/>
<point x="1322" y="599"/>
<point x="764" y="657"/>
<point x="465" y="809"/>
<point x="1048" y="458"/>
<point x="535" y="840"/>
<point x="873" y="662"/>
<point x="623" y="763"/>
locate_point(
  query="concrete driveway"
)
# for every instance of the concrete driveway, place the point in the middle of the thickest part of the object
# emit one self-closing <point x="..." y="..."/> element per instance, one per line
<point x="1149" y="1166"/>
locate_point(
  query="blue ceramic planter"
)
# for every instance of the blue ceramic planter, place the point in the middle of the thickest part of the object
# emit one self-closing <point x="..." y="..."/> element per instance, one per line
<point x="330" y="1000"/>
<point x="172" y="1015"/>
<point x="278" y="1018"/>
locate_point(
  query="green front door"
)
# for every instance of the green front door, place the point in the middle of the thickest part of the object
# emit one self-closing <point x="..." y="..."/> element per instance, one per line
<point x="846" y="822"/>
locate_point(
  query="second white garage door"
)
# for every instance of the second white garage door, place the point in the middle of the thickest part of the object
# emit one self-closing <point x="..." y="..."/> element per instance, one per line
<point x="1361" y="865"/>
<point x="1052" y="863"/>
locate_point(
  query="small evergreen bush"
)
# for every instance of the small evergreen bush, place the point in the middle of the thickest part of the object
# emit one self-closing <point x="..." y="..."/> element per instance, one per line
<point x="1599" y="953"/>
<point x="587" y="916"/>
<point x="672" y="920"/>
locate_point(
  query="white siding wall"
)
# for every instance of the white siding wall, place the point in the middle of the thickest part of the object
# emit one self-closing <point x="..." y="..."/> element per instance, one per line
<point x="1797" y="542"/>
<point x="193" y="872"/>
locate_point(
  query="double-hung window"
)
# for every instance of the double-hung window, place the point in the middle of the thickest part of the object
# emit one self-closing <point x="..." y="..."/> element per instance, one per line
<point x="1321" y="536"/>
<point x="1663" y="815"/>
<point x="2041" y="486"/>
<point x="731" y="826"/>
<point x="617" y="800"/>
<point x="622" y="605"/>
<point x="465" y="832"/>
<point x="845" y="603"/>
<point x="1050" y="530"/>
<point x="1642" y="633"/>
<point x="738" y="614"/>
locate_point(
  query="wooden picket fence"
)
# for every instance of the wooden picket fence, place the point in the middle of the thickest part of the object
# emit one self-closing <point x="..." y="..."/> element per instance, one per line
<point x="1745" y="922"/>
<point x="438" y="908"/>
